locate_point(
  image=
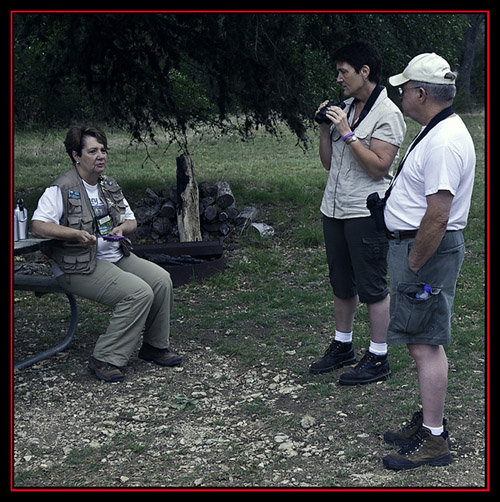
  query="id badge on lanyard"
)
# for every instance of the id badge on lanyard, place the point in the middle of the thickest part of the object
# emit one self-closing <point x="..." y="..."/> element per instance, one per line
<point x="104" y="224"/>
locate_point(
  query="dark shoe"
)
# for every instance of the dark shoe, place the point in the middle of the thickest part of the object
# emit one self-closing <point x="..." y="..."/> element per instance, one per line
<point x="423" y="449"/>
<point x="404" y="435"/>
<point x="163" y="357"/>
<point x="105" y="371"/>
<point x="371" y="368"/>
<point x="338" y="354"/>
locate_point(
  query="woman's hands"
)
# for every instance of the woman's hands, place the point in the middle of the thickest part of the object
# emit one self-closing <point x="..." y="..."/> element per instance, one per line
<point x="338" y="118"/>
<point x="49" y="230"/>
<point x="376" y="159"/>
<point x="85" y="239"/>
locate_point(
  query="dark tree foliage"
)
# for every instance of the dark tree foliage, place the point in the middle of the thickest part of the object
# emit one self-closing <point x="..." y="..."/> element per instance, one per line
<point x="176" y="72"/>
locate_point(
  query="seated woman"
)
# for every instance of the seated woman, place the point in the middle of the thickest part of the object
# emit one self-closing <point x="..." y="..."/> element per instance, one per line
<point x="86" y="211"/>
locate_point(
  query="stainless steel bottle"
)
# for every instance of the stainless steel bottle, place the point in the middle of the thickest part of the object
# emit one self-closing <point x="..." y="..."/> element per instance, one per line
<point x="20" y="221"/>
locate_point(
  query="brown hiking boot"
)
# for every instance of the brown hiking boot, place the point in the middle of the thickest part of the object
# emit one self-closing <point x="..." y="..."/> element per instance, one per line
<point x="163" y="357"/>
<point x="105" y="371"/>
<point x="423" y="449"/>
<point x="405" y="434"/>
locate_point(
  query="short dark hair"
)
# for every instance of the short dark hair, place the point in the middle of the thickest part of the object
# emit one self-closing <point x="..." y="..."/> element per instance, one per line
<point x="76" y="136"/>
<point x="361" y="53"/>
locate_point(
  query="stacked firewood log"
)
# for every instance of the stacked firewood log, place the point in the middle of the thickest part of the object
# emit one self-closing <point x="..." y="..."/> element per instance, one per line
<point x="157" y="213"/>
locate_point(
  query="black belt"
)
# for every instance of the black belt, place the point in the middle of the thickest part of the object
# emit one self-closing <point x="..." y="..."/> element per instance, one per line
<point x="407" y="234"/>
<point x="402" y="234"/>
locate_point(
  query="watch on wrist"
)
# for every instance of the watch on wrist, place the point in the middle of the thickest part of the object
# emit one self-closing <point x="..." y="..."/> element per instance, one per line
<point x="350" y="140"/>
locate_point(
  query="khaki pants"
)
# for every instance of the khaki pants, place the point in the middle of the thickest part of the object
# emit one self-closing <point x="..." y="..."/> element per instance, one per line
<point x="142" y="294"/>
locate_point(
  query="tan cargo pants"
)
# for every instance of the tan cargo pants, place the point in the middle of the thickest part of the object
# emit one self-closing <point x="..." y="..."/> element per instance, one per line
<point x="142" y="294"/>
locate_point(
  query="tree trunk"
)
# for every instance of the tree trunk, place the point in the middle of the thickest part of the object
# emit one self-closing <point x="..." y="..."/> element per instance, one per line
<point x="188" y="216"/>
<point x="468" y="53"/>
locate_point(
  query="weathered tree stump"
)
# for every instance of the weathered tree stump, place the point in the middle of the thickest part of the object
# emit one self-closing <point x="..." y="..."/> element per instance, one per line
<point x="188" y="216"/>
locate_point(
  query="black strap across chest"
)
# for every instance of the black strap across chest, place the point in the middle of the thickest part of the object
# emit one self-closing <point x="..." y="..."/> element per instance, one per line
<point x="443" y="114"/>
<point x="368" y="105"/>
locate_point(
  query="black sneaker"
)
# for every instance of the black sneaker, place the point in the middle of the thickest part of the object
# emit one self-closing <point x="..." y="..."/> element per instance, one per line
<point x="338" y="354"/>
<point x="371" y="368"/>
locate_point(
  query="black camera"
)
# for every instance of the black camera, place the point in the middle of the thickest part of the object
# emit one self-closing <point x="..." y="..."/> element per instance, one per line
<point x="376" y="206"/>
<point x="321" y="117"/>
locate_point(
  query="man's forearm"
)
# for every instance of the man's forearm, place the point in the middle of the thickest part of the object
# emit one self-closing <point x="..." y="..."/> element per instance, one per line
<point x="432" y="229"/>
<point x="429" y="236"/>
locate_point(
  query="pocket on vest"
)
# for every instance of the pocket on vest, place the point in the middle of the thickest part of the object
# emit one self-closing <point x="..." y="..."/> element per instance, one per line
<point x="78" y="263"/>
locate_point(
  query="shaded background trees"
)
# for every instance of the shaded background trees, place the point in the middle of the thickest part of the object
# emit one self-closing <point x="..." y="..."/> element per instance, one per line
<point x="221" y="71"/>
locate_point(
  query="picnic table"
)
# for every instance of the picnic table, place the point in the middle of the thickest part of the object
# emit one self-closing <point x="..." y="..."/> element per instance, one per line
<point x="40" y="285"/>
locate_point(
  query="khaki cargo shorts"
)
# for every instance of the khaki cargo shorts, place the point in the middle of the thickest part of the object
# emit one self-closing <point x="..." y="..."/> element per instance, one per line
<point x="425" y="321"/>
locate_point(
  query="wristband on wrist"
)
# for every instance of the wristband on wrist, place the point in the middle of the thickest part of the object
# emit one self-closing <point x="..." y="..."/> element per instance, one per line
<point x="347" y="136"/>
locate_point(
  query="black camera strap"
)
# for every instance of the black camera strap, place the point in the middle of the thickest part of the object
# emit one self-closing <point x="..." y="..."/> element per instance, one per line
<point x="368" y="105"/>
<point x="443" y="114"/>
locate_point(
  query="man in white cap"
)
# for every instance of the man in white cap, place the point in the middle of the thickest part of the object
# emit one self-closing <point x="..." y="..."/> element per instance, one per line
<point x="425" y="210"/>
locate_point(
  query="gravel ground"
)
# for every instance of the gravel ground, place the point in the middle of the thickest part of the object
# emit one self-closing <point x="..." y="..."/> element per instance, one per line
<point x="210" y="423"/>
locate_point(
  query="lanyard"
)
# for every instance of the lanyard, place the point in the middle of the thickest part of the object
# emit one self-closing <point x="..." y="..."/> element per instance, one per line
<point x="419" y="137"/>
<point x="368" y="105"/>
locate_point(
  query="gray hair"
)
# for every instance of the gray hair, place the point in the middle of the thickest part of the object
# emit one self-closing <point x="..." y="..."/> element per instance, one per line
<point x="440" y="92"/>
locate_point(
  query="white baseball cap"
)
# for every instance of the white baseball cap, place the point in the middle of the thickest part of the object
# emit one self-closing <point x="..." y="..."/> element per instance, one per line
<point x="428" y="67"/>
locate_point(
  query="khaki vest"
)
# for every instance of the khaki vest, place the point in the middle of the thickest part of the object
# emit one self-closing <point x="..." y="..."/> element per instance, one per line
<point x="72" y="257"/>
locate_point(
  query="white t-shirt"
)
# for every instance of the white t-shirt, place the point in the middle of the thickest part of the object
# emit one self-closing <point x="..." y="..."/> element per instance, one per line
<point x="50" y="209"/>
<point x="444" y="160"/>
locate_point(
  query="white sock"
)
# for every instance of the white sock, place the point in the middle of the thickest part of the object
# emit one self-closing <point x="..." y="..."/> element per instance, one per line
<point x="343" y="337"/>
<point x="379" y="349"/>
<point x="435" y="431"/>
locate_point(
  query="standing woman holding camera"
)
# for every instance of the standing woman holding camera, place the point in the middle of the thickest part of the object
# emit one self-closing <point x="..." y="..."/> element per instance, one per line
<point x="359" y="143"/>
